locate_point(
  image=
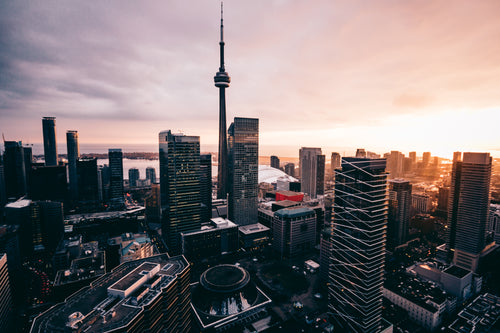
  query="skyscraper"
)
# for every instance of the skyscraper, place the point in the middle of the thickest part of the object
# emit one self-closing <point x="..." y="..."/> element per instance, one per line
<point x="48" y="183"/>
<point x="244" y="170"/>
<point x="468" y="208"/>
<point x="308" y="163"/>
<point x="358" y="244"/>
<point x="151" y="174"/>
<point x="275" y="162"/>
<point x="116" y="174"/>
<point x="399" y="212"/>
<point x="290" y="169"/>
<point x="320" y="174"/>
<point x="5" y="296"/>
<point x="335" y="161"/>
<point x="206" y="186"/>
<point x="222" y="80"/>
<point x="88" y="184"/>
<point x="3" y="194"/>
<point x="179" y="186"/>
<point x="133" y="177"/>
<point x="14" y="169"/>
<point x="73" y="155"/>
<point x="426" y="158"/>
<point x="49" y="140"/>
<point x="395" y="164"/>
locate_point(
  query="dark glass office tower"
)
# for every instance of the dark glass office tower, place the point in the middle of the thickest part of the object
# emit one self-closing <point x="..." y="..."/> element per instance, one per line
<point x="275" y="162"/>
<point x="468" y="208"/>
<point x="133" y="177"/>
<point x="358" y="244"/>
<point x="73" y="155"/>
<point x="116" y="174"/>
<point x="243" y="170"/>
<point x="6" y="311"/>
<point x="179" y="186"/>
<point x="206" y="186"/>
<point x="222" y="80"/>
<point x="88" y="184"/>
<point x="14" y="169"/>
<point x="3" y="194"/>
<point x="335" y="162"/>
<point x="48" y="183"/>
<point x="49" y="140"/>
<point x="151" y="174"/>
<point x="308" y="162"/>
<point x="399" y="212"/>
<point x="320" y="174"/>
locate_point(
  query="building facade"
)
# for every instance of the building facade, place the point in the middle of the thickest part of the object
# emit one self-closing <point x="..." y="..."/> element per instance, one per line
<point x="206" y="186"/>
<point x="244" y="170"/>
<point x="308" y="160"/>
<point x="49" y="140"/>
<point x="275" y="162"/>
<point x="116" y="174"/>
<point x="73" y="150"/>
<point x="399" y="212"/>
<point x="14" y="169"/>
<point x="151" y="174"/>
<point x="179" y="186"/>
<point x="133" y="177"/>
<point x="294" y="231"/>
<point x="469" y="208"/>
<point x="358" y="244"/>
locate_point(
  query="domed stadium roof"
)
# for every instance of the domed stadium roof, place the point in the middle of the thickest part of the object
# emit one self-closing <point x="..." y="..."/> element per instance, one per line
<point x="270" y="175"/>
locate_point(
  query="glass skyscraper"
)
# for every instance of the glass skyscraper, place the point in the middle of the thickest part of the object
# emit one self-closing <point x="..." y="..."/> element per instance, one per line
<point x="243" y="170"/>
<point x="73" y="156"/>
<point x="358" y="244"/>
<point x="469" y="208"/>
<point x="179" y="186"/>
<point x="49" y="140"/>
<point x="116" y="174"/>
<point x="308" y="162"/>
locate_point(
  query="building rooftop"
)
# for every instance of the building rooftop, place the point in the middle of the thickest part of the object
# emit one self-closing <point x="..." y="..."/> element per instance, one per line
<point x="252" y="228"/>
<point x="131" y="278"/>
<point x="21" y="203"/>
<point x="456" y="271"/>
<point x="215" y="223"/>
<point x="98" y="309"/>
<point x="79" y="218"/>
<point x="479" y="316"/>
<point x="294" y="212"/>
<point x="423" y="294"/>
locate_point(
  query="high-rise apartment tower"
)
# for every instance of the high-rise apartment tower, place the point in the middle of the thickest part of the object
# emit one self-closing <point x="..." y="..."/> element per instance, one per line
<point x="49" y="140"/>
<point x="358" y="244"/>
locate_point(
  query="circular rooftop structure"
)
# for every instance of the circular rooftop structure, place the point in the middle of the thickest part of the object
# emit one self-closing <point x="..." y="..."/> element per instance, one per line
<point x="224" y="290"/>
<point x="224" y="278"/>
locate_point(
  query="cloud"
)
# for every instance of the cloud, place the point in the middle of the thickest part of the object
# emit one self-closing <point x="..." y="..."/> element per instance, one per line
<point x="300" y="66"/>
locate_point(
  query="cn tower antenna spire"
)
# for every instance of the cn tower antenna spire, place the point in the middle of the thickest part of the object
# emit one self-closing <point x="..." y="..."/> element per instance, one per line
<point x="222" y="81"/>
<point x="222" y="21"/>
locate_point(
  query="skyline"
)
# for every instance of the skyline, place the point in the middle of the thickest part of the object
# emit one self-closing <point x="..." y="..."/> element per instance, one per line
<point x="381" y="75"/>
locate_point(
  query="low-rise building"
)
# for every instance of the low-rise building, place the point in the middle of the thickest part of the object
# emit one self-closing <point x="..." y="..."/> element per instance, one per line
<point x="478" y="316"/>
<point x="294" y="231"/>
<point x="254" y="237"/>
<point x="219" y="236"/>
<point x="424" y="301"/>
<point x="133" y="246"/>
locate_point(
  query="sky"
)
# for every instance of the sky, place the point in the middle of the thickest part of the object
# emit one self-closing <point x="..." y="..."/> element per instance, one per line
<point x="381" y="75"/>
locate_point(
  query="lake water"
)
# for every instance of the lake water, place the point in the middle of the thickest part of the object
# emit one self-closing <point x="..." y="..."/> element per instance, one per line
<point x="142" y="164"/>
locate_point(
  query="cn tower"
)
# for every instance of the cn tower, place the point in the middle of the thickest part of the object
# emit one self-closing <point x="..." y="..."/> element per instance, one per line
<point x="222" y="80"/>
